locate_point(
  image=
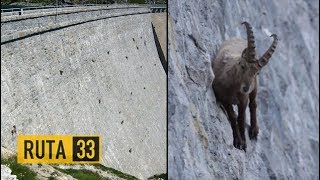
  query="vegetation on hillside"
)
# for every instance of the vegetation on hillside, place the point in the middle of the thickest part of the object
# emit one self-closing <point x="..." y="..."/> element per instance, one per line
<point x="81" y="173"/>
<point x="24" y="172"/>
<point x="116" y="172"/>
<point x="158" y="177"/>
<point x="21" y="171"/>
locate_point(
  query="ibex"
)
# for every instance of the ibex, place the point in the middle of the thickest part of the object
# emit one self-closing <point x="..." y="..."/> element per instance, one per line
<point x="236" y="67"/>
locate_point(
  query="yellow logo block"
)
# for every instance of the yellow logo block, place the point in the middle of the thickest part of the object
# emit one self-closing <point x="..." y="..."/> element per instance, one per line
<point x="59" y="149"/>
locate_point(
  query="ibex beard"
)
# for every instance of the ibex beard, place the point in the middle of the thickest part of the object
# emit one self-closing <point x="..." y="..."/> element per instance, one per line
<point x="236" y="68"/>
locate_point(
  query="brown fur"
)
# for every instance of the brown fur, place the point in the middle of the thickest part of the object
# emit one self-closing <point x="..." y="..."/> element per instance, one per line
<point x="235" y="83"/>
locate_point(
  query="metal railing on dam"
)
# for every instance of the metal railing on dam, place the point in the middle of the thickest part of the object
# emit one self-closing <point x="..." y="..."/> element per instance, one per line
<point x="33" y="22"/>
<point x="27" y="8"/>
<point x="158" y="9"/>
<point x="23" y="10"/>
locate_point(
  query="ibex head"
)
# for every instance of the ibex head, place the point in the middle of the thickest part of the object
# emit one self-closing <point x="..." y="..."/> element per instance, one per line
<point x="250" y="65"/>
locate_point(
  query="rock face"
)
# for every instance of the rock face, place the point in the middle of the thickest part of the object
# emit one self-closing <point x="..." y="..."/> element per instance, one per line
<point x="200" y="136"/>
<point x="6" y="173"/>
<point x="101" y="76"/>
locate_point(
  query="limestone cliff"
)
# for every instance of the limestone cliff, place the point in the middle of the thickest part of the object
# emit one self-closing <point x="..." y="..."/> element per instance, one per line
<point x="200" y="137"/>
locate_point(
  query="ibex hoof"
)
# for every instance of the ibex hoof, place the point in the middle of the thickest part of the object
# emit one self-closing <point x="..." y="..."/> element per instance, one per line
<point x="239" y="143"/>
<point x="253" y="132"/>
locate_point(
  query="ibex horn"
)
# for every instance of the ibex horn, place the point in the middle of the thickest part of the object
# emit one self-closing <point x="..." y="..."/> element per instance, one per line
<point x="251" y="51"/>
<point x="267" y="55"/>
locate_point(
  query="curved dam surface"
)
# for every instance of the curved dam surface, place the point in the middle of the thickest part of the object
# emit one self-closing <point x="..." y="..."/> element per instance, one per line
<point x="92" y="70"/>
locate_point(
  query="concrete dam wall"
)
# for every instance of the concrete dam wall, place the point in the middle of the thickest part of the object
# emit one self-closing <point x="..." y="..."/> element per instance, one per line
<point x="87" y="71"/>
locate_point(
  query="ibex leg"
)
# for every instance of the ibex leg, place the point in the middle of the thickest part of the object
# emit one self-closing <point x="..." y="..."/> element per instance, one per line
<point x="242" y="119"/>
<point x="254" y="129"/>
<point x="237" y="142"/>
